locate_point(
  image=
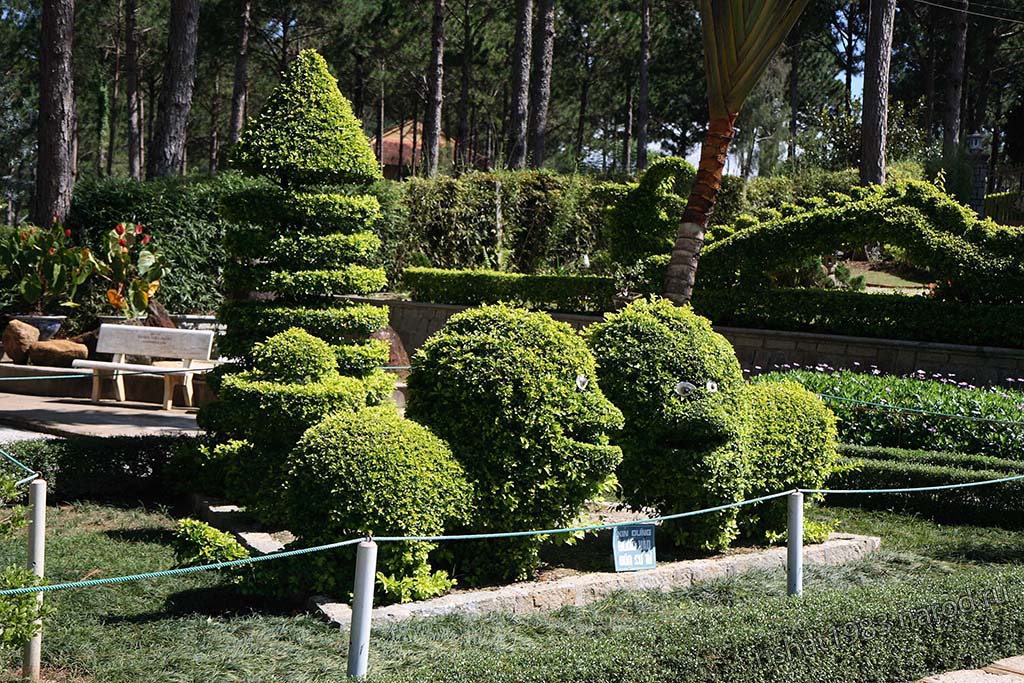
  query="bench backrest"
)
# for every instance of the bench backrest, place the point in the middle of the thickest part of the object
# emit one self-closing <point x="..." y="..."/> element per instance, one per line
<point x="159" y="342"/>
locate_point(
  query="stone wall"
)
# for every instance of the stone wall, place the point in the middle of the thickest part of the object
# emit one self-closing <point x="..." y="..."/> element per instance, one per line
<point x="762" y="350"/>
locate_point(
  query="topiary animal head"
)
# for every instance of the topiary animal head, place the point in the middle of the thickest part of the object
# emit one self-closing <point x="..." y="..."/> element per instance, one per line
<point x="306" y="132"/>
<point x="675" y="379"/>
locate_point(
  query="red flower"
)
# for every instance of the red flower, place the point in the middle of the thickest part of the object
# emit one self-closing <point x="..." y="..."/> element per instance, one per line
<point x="67" y="232"/>
<point x="122" y="242"/>
<point x="146" y="239"/>
<point x="24" y="236"/>
<point x="119" y="229"/>
<point x="52" y="251"/>
<point x="138" y="228"/>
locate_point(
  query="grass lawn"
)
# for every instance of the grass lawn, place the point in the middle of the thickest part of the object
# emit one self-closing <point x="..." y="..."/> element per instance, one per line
<point x="201" y="628"/>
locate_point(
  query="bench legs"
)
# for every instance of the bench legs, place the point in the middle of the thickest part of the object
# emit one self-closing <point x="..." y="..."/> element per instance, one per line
<point x="170" y="381"/>
<point x="97" y="385"/>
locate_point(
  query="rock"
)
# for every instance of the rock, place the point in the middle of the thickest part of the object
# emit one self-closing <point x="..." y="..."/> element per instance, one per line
<point x="89" y="339"/>
<point x="157" y="316"/>
<point x="18" y="337"/>
<point x="57" y="353"/>
<point x="398" y="356"/>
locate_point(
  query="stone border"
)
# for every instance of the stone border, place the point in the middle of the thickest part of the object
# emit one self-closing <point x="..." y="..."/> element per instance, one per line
<point x="582" y="589"/>
<point x="1010" y="670"/>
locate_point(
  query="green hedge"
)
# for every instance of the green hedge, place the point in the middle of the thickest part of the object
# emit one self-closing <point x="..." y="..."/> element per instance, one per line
<point x="874" y="426"/>
<point x="972" y="260"/>
<point x="567" y="293"/>
<point x="893" y="631"/>
<point x="869" y="468"/>
<point x="884" y="316"/>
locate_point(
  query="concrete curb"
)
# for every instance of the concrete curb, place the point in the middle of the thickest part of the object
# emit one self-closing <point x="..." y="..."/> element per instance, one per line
<point x="583" y="589"/>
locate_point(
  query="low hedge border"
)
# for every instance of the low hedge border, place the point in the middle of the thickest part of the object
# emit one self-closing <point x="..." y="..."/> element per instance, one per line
<point x="888" y="468"/>
<point x="886" y="316"/>
<point x="892" y="631"/>
<point x="571" y="294"/>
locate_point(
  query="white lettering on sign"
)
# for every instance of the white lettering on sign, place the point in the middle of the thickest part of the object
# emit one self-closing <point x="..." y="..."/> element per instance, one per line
<point x="633" y="547"/>
<point x="155" y="341"/>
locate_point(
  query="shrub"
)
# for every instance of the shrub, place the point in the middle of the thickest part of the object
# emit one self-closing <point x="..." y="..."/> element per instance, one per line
<point x="679" y="385"/>
<point x="306" y="132"/>
<point x="996" y="428"/>
<point x="975" y="260"/>
<point x="198" y="543"/>
<point x="893" y="631"/>
<point x="18" y="613"/>
<point x="790" y="441"/>
<point x="295" y="357"/>
<point x="882" y="468"/>
<point x="515" y="395"/>
<point x="571" y="293"/>
<point x="117" y="468"/>
<point x="885" y="316"/>
<point x="373" y="473"/>
<point x="183" y="217"/>
<point x="645" y="220"/>
<point x="1005" y="207"/>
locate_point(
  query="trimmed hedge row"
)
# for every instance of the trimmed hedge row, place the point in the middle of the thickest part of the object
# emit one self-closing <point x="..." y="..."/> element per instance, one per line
<point x="577" y="294"/>
<point x="963" y="461"/>
<point x="996" y="504"/>
<point x="884" y="316"/>
<point x="997" y="430"/>
<point x="893" y="631"/>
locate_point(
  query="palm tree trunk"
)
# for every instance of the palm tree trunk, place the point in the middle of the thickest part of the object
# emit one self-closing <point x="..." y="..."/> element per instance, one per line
<point x="682" y="267"/>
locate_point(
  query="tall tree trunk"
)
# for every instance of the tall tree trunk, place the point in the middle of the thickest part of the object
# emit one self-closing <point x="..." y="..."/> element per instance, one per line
<point x="519" y="109"/>
<point x="240" y="91"/>
<point x="467" y="74"/>
<point x="115" y="90"/>
<point x="682" y="266"/>
<point x="794" y="95"/>
<point x="875" y="121"/>
<point x="544" y="58"/>
<point x="627" y="131"/>
<point x="134" y="93"/>
<point x="56" y="163"/>
<point x="215" y="125"/>
<point x="955" y="82"/>
<point x="851" y="50"/>
<point x="644" y="86"/>
<point x="401" y="146"/>
<point x="380" y="121"/>
<point x="168" y="149"/>
<point x="979" y="113"/>
<point x="928" y="118"/>
<point x="581" y="119"/>
<point x="417" y="154"/>
<point x="997" y="127"/>
<point x="435" y="100"/>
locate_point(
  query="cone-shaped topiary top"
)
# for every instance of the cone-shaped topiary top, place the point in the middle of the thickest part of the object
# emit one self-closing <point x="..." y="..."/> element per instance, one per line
<point x="306" y="132"/>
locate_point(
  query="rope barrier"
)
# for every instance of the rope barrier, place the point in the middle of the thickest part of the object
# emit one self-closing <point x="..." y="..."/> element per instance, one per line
<point x="17" y="462"/>
<point x="103" y="375"/>
<point x="469" y="537"/>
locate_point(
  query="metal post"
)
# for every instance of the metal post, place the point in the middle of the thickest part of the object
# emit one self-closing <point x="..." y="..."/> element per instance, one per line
<point x="32" y="661"/>
<point x="795" y="557"/>
<point x="362" y="608"/>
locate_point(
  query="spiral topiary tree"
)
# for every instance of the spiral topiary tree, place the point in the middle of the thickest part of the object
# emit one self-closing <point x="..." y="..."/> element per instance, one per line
<point x="297" y="245"/>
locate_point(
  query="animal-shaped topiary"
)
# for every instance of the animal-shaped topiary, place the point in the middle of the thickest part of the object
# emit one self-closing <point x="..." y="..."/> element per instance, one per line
<point x="514" y="394"/>
<point x="695" y="435"/>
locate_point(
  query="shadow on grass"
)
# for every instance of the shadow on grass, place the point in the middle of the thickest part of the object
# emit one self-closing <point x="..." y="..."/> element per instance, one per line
<point x="222" y="602"/>
<point x="147" y="535"/>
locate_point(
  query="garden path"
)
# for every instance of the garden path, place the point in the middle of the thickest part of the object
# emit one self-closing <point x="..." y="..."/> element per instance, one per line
<point x="80" y="417"/>
<point x="1004" y="671"/>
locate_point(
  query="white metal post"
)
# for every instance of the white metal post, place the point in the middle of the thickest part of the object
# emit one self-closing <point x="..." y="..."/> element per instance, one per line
<point x="795" y="557"/>
<point x="32" y="661"/>
<point x="362" y="608"/>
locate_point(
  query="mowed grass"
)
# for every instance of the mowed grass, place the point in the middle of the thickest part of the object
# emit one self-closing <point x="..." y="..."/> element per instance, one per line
<point x="201" y="627"/>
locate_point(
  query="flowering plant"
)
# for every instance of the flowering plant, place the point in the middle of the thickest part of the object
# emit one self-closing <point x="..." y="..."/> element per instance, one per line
<point x="133" y="267"/>
<point x="44" y="265"/>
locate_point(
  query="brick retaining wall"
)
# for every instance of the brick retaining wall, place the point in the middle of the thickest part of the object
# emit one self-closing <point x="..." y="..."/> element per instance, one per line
<point x="760" y="350"/>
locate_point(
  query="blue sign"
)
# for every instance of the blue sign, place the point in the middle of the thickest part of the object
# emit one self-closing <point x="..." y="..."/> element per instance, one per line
<point x="633" y="547"/>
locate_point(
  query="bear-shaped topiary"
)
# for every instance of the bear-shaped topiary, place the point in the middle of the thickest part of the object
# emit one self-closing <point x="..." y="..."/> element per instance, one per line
<point x="515" y="395"/>
<point x="696" y="435"/>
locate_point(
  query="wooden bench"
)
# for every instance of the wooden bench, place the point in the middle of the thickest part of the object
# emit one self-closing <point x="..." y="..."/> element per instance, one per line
<point x="184" y="346"/>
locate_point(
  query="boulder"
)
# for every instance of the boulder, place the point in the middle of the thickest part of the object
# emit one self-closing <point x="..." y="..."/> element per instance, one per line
<point x="157" y="316"/>
<point x="57" y="353"/>
<point x="18" y="337"/>
<point x="90" y="339"/>
<point x="398" y="356"/>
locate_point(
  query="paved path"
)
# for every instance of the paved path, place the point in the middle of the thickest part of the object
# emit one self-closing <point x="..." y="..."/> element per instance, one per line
<point x="1004" y="671"/>
<point x="80" y="417"/>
